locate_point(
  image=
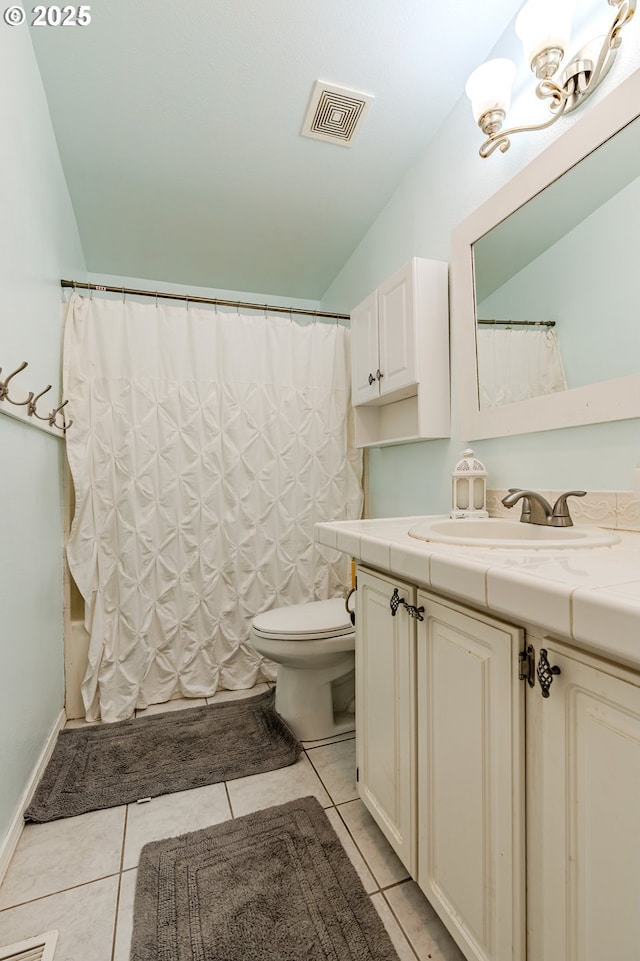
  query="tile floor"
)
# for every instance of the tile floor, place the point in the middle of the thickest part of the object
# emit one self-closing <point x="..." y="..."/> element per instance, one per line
<point x="78" y="875"/>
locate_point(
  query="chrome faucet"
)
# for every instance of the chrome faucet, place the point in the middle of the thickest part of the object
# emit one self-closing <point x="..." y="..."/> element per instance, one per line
<point x="536" y="509"/>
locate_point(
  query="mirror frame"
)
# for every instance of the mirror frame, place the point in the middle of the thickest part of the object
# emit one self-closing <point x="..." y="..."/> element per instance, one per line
<point x="617" y="399"/>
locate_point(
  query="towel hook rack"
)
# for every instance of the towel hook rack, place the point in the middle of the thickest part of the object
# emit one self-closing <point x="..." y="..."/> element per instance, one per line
<point x="31" y="402"/>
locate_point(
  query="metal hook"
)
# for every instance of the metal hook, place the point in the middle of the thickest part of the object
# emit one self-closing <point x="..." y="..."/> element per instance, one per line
<point x="31" y="409"/>
<point x="4" y="388"/>
<point x="52" y="416"/>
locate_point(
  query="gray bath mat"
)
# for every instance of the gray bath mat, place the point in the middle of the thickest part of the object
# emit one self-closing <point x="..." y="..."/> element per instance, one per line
<point x="110" y="764"/>
<point x="271" y="886"/>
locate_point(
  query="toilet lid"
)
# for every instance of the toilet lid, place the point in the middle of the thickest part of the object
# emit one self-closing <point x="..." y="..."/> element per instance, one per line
<point x="315" y="619"/>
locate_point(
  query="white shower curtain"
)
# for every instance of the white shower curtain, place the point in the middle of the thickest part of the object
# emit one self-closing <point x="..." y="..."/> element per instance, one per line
<point x="518" y="364"/>
<point x="204" y="447"/>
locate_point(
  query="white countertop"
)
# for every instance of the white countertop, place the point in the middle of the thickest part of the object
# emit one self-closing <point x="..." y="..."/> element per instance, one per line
<point x="589" y="596"/>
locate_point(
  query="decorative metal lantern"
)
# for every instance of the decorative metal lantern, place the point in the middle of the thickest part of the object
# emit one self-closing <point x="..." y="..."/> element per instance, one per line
<point x="469" y="487"/>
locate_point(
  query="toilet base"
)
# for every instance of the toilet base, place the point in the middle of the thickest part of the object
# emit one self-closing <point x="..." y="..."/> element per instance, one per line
<point x="305" y="700"/>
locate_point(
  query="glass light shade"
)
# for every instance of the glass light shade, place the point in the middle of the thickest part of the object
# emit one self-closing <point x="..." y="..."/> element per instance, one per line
<point x="489" y="87"/>
<point x="544" y="23"/>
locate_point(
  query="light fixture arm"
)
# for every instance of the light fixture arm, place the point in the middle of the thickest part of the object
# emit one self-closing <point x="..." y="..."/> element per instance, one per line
<point x="577" y="82"/>
<point x="501" y="138"/>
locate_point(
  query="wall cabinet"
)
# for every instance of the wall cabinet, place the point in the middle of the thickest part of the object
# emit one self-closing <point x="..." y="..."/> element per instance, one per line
<point x="448" y="774"/>
<point x="400" y="357"/>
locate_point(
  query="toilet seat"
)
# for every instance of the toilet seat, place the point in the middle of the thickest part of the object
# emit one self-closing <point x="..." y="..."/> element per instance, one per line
<point x="318" y="620"/>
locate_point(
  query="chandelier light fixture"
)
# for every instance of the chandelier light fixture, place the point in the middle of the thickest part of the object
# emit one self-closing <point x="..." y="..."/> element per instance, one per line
<point x="544" y="27"/>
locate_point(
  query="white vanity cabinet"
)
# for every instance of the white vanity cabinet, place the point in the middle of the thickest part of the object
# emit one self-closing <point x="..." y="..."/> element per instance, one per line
<point x="440" y="741"/>
<point x="400" y="357"/>
<point x="456" y="743"/>
<point x="386" y="710"/>
<point x="583" y="810"/>
<point x="471" y="777"/>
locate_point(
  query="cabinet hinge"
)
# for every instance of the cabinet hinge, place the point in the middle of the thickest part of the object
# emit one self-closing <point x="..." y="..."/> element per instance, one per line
<point x="527" y="670"/>
<point x="357" y="774"/>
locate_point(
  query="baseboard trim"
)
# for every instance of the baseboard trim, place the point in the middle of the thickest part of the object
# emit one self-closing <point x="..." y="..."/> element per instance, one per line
<point x="10" y="841"/>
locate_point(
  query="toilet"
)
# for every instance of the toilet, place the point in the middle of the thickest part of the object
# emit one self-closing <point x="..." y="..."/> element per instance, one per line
<point x="314" y="647"/>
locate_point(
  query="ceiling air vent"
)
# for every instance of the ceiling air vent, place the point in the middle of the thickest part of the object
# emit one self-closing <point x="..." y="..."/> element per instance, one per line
<point x="335" y="114"/>
<point x="35" y="949"/>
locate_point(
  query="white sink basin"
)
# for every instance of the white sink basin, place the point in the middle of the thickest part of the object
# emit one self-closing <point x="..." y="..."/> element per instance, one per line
<point x="501" y="532"/>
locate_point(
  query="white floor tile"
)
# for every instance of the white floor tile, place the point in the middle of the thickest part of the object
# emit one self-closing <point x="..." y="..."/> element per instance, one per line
<point x="347" y="736"/>
<point x="124" y="919"/>
<point x="368" y="881"/>
<point x="376" y="850"/>
<point x="260" y="791"/>
<point x="394" y="930"/>
<point x="336" y="766"/>
<point x="425" y="931"/>
<point x="60" y="854"/>
<point x="172" y="814"/>
<point x="83" y="916"/>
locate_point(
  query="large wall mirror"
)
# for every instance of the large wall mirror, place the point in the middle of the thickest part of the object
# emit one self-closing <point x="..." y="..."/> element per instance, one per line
<point x="545" y="284"/>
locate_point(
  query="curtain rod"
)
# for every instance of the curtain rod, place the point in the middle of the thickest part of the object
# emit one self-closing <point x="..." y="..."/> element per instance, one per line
<point x="77" y="285"/>
<point x="521" y="323"/>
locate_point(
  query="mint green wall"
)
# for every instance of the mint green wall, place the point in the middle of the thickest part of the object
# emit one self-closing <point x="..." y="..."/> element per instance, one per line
<point x="38" y="242"/>
<point x="445" y="185"/>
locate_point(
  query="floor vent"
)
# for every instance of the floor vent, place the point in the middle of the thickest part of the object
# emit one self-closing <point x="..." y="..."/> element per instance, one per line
<point x="35" y="949"/>
<point x="335" y="114"/>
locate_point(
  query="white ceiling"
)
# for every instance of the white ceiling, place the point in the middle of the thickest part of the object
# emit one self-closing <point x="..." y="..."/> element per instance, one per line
<point x="179" y="128"/>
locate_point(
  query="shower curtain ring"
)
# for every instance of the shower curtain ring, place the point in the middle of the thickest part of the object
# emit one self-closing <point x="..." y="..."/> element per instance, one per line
<point x="238" y="308"/>
<point x="156" y="298"/>
<point x="265" y="311"/>
<point x="187" y="302"/>
<point x="123" y="295"/>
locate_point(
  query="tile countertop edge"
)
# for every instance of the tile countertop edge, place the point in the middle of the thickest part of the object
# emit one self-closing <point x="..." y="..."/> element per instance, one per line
<point x="597" y="617"/>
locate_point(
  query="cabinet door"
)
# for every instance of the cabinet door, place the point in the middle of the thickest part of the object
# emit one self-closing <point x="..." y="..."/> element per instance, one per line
<point x="396" y="326"/>
<point x="471" y="779"/>
<point x="385" y="710"/>
<point x="364" y="351"/>
<point x="583" y="808"/>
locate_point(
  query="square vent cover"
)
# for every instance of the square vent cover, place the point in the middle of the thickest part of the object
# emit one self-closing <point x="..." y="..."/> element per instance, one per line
<point x="335" y="114"/>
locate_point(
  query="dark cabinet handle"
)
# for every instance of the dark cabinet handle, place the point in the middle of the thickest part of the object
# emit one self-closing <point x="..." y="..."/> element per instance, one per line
<point x="546" y="672"/>
<point x="412" y="611"/>
<point x="372" y="380"/>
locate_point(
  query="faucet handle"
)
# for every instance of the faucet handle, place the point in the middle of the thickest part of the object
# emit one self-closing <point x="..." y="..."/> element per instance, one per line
<point x="561" y="516"/>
